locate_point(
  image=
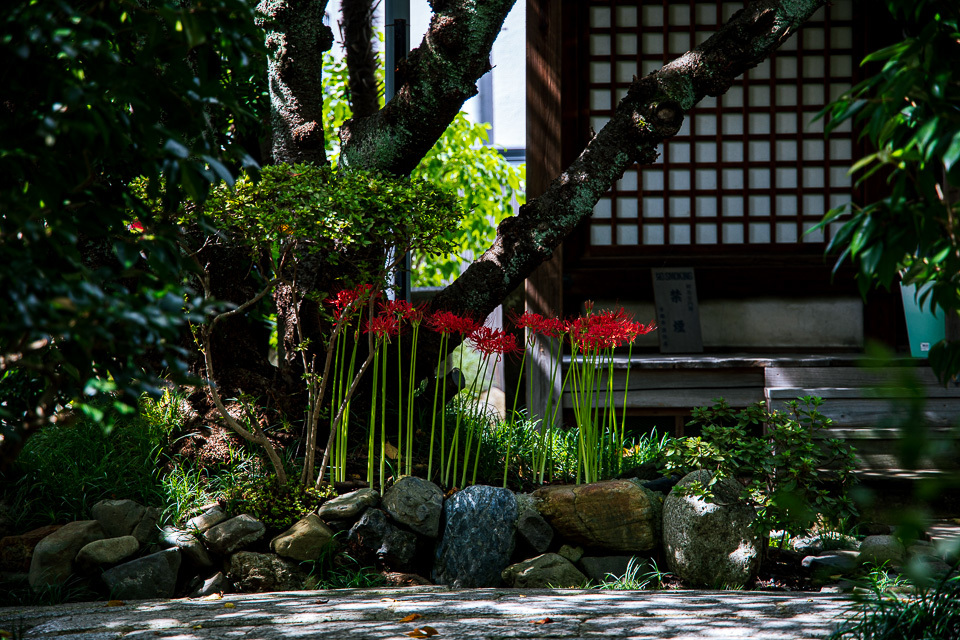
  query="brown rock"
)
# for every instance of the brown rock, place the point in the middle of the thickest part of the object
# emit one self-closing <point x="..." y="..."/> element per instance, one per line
<point x="16" y="551"/>
<point x="616" y="515"/>
<point x="397" y="579"/>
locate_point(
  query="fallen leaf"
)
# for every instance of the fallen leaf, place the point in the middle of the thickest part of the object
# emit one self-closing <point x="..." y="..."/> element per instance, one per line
<point x="320" y="601"/>
<point x="411" y="617"/>
<point x="416" y="633"/>
<point x="542" y="621"/>
<point x="229" y="605"/>
<point x="197" y="626"/>
<point x="521" y="596"/>
<point x="391" y="451"/>
<point x="388" y="600"/>
<point x="213" y="596"/>
<point x="430" y="631"/>
<point x="115" y="603"/>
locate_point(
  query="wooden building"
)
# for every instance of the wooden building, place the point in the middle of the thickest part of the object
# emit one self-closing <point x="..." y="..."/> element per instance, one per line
<point x="733" y="196"/>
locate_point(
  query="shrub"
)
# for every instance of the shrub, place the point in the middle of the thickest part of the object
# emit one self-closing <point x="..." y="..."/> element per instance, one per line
<point x="779" y="458"/>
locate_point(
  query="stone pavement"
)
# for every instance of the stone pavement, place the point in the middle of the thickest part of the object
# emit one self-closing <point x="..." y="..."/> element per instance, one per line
<point x="476" y="614"/>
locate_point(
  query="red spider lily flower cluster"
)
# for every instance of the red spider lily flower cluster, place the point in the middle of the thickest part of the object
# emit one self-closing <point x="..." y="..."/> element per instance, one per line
<point x="550" y="327"/>
<point x="489" y="341"/>
<point x="344" y="298"/>
<point x="403" y="311"/>
<point x="447" y="322"/>
<point x="605" y="330"/>
<point x="383" y="326"/>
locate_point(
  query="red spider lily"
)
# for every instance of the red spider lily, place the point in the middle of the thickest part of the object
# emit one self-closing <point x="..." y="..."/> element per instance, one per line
<point x="605" y="330"/>
<point x="383" y="326"/>
<point x="550" y="327"/>
<point x="345" y="297"/>
<point x="136" y="226"/>
<point x="639" y="329"/>
<point x="403" y="311"/>
<point x="447" y="322"/>
<point x="490" y="341"/>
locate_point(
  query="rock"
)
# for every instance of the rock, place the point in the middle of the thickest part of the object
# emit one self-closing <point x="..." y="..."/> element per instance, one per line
<point x="710" y="544"/>
<point x="349" y="505"/>
<point x="206" y="520"/>
<point x="217" y="583"/>
<point x="396" y="579"/>
<point x="531" y="527"/>
<point x="16" y="551"/>
<point x="152" y="576"/>
<point x="146" y="530"/>
<point x="374" y="533"/>
<point x="881" y="549"/>
<point x="547" y="570"/>
<point x="603" y="568"/>
<point x="616" y="515"/>
<point x="829" y="565"/>
<point x="107" y="551"/>
<point x="52" y="561"/>
<point x="233" y="534"/>
<point x="478" y="537"/>
<point x="416" y="503"/>
<point x="264" y="572"/>
<point x="117" y="517"/>
<point x="191" y="547"/>
<point x="874" y="529"/>
<point x="304" y="541"/>
<point x="662" y="485"/>
<point x="573" y="554"/>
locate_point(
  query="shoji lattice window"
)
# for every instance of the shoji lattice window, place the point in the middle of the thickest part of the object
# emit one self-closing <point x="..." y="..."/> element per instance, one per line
<point x="746" y="168"/>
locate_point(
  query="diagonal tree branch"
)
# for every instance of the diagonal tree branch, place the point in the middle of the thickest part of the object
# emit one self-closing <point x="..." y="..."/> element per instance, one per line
<point x="438" y="76"/>
<point x="652" y="111"/>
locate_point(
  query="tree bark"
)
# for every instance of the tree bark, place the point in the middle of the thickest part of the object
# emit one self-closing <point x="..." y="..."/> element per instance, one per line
<point x="361" y="60"/>
<point x="296" y="39"/>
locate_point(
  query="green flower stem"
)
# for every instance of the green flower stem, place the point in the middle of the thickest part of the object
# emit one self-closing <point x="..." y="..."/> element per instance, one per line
<point x="383" y="419"/>
<point x="373" y="415"/>
<point x="433" y="422"/>
<point x="411" y="388"/>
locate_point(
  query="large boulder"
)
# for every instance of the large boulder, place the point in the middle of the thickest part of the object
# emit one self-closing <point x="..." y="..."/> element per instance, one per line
<point x="478" y="537"/>
<point x="710" y="544"/>
<point x="16" y="551"/>
<point x="147" y="529"/>
<point x="349" y="505"/>
<point x="117" y="517"/>
<point x="547" y="570"/>
<point x="882" y="549"/>
<point x="264" y="572"/>
<point x="152" y="576"/>
<point x="374" y="534"/>
<point x="52" y="561"/>
<point x="107" y="551"/>
<point x="193" y="550"/>
<point x="233" y="534"/>
<point x="206" y="520"/>
<point x="304" y="541"/>
<point x="616" y="515"/>
<point x="416" y="503"/>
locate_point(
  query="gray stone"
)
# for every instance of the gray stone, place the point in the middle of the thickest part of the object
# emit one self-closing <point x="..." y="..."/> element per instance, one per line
<point x="710" y="544"/>
<point x="615" y="515"/>
<point x="547" y="570"/>
<point x="416" y="503"/>
<point x="264" y="572"/>
<point x="603" y="568"/>
<point x="531" y="527"/>
<point x="146" y="530"/>
<point x="881" y="549"/>
<point x="349" y="505"/>
<point x="217" y="583"/>
<point x="478" y="537"/>
<point x="304" y="541"/>
<point x="233" y="534"/>
<point x="152" y="576"/>
<point x="206" y="520"/>
<point x="188" y="543"/>
<point x="52" y="561"/>
<point x="571" y="553"/>
<point x="117" y="517"/>
<point x="831" y="562"/>
<point x="391" y="545"/>
<point x="107" y="551"/>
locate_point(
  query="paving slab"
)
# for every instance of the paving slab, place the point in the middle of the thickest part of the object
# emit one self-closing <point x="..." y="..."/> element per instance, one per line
<point x="475" y="614"/>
